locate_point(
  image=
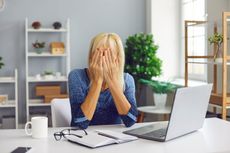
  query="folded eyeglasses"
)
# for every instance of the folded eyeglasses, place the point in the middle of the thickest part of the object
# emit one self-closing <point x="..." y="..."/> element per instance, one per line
<point x="73" y="131"/>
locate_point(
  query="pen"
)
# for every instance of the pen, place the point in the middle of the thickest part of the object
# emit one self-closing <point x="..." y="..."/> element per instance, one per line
<point x="106" y="135"/>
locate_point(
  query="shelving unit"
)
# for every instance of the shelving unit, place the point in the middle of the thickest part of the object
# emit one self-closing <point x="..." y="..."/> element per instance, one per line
<point x="34" y="102"/>
<point x="12" y="103"/>
<point x="46" y="54"/>
<point x="217" y="100"/>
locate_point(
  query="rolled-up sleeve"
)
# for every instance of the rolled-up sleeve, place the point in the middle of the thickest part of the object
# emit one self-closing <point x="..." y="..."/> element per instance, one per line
<point x="130" y="118"/>
<point x="77" y="96"/>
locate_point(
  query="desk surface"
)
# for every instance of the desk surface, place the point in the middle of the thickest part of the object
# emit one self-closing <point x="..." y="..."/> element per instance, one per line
<point x="214" y="137"/>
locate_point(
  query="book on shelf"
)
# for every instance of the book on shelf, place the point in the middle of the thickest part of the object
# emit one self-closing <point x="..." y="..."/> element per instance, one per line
<point x="99" y="138"/>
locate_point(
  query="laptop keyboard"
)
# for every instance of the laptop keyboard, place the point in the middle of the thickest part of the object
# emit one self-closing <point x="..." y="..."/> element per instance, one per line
<point x="157" y="133"/>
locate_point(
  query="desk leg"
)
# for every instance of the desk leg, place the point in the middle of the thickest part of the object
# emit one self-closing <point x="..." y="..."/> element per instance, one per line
<point x="140" y="118"/>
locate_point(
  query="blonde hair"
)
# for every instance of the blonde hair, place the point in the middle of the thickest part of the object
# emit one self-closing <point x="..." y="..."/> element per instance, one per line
<point x="107" y="39"/>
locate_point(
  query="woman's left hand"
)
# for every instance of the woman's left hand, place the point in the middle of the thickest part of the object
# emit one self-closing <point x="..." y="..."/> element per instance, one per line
<point x="111" y="67"/>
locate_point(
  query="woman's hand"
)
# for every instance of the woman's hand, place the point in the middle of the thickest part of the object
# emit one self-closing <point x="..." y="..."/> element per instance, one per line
<point x="111" y="68"/>
<point x="96" y="68"/>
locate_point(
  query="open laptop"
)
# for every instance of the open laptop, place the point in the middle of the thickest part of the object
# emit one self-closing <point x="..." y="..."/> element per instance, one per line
<point x="188" y="113"/>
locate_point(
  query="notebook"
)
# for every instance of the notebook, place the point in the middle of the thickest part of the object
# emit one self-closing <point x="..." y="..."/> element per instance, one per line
<point x="101" y="138"/>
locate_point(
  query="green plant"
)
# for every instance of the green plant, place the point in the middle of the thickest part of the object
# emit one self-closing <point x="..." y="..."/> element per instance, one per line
<point x="159" y="86"/>
<point x="38" y="44"/>
<point x="48" y="72"/>
<point x="141" y="59"/>
<point x="1" y="63"/>
<point x="216" y="39"/>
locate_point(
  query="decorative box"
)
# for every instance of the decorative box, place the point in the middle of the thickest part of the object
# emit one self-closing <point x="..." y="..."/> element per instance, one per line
<point x="57" y="48"/>
<point x="47" y="90"/>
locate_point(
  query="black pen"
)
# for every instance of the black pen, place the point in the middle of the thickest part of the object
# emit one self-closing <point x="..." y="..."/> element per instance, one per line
<point x="106" y="135"/>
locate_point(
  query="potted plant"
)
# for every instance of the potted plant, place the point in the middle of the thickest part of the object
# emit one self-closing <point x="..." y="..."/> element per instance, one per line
<point x="48" y="75"/>
<point x="38" y="46"/>
<point x="217" y="39"/>
<point x="162" y="91"/>
<point x="141" y="59"/>
<point x="1" y="63"/>
<point x="143" y="63"/>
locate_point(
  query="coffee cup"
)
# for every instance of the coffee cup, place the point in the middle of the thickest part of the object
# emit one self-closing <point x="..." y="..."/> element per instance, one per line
<point x="39" y="127"/>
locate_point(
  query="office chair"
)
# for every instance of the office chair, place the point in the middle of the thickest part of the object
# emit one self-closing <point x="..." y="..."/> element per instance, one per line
<point x="61" y="112"/>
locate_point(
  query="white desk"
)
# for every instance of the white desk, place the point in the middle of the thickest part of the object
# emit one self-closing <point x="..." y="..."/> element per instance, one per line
<point x="214" y="137"/>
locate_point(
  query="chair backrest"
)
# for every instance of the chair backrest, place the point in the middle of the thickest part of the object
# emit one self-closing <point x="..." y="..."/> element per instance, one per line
<point x="61" y="112"/>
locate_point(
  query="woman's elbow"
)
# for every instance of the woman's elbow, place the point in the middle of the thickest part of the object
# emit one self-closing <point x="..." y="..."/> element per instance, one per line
<point x="129" y="123"/>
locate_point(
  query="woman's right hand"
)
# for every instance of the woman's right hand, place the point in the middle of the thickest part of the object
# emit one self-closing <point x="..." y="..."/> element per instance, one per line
<point x="96" y="68"/>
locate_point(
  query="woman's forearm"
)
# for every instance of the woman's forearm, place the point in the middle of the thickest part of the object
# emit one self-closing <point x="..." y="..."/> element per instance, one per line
<point x="121" y="102"/>
<point x="89" y="105"/>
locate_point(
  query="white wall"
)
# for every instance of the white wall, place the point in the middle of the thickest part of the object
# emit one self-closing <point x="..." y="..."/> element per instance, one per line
<point x="214" y="11"/>
<point x="163" y="21"/>
<point x="87" y="18"/>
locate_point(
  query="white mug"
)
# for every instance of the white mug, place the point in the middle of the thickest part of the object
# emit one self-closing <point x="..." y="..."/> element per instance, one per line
<point x="39" y="127"/>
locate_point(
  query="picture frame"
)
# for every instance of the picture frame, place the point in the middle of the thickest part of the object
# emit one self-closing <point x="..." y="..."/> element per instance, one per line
<point x="3" y="99"/>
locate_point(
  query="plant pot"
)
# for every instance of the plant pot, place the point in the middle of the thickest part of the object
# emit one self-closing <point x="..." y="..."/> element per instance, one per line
<point x="218" y="60"/>
<point x="48" y="77"/>
<point x="163" y="100"/>
<point x="38" y="50"/>
<point x="159" y="100"/>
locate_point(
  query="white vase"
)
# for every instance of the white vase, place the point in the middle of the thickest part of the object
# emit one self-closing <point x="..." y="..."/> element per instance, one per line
<point x="159" y="100"/>
<point x="219" y="60"/>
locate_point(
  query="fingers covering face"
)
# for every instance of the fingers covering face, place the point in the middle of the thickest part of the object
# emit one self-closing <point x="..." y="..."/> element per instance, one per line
<point x="104" y="56"/>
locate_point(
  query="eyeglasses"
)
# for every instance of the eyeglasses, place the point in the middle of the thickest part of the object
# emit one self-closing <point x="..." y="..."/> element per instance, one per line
<point x="80" y="133"/>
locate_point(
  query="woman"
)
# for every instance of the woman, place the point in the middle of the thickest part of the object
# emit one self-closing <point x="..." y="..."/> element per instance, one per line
<point x="103" y="94"/>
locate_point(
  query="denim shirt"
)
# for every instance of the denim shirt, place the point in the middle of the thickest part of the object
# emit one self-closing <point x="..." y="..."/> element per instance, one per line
<point x="106" y="111"/>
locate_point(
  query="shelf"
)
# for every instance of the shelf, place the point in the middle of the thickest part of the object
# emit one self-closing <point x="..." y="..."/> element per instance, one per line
<point x="7" y="80"/>
<point x="216" y="99"/>
<point x="47" y="54"/>
<point x="59" y="79"/>
<point x="9" y="104"/>
<point x="47" y="30"/>
<point x="63" y="60"/>
<point x="192" y="23"/>
<point x="37" y="102"/>
<point x="217" y="63"/>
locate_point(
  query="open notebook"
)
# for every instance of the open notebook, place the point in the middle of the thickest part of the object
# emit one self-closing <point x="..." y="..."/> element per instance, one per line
<point x="101" y="138"/>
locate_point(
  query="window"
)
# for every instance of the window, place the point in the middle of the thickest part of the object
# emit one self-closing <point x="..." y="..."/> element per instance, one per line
<point x="195" y="10"/>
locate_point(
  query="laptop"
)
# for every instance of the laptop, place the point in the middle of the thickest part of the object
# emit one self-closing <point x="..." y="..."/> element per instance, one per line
<point x="188" y="114"/>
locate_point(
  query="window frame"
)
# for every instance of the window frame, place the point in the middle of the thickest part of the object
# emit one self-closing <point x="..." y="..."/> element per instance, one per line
<point x="193" y="76"/>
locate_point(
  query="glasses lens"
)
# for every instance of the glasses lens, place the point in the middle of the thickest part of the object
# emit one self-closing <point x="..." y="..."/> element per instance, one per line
<point x="78" y="132"/>
<point x="57" y="136"/>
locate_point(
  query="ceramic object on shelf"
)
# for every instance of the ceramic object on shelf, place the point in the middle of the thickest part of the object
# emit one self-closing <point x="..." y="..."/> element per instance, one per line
<point x="58" y="74"/>
<point x="38" y="76"/>
<point x="218" y="60"/>
<point x="38" y="50"/>
<point x="36" y="25"/>
<point x="3" y="99"/>
<point x="48" y="77"/>
<point x="57" y="25"/>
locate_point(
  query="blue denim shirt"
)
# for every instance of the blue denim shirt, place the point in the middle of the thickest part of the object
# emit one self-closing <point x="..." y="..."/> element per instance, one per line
<point x="106" y="112"/>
